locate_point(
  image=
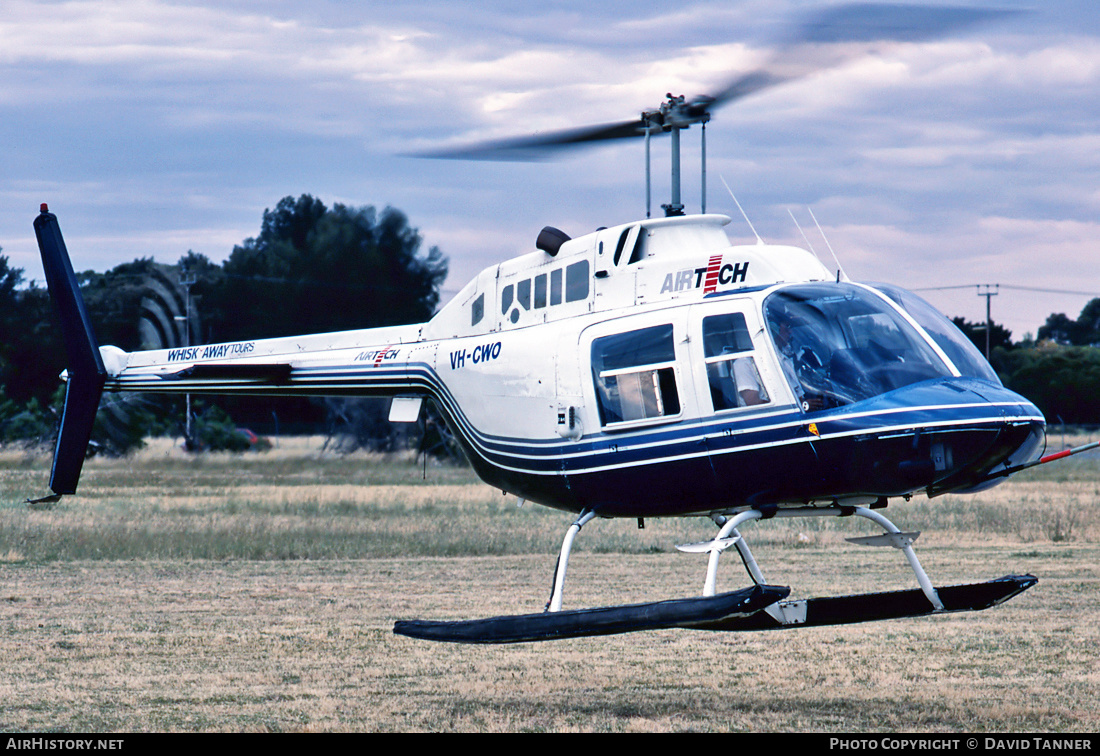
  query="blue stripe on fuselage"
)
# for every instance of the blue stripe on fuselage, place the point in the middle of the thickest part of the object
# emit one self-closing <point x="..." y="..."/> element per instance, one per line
<point x="936" y="404"/>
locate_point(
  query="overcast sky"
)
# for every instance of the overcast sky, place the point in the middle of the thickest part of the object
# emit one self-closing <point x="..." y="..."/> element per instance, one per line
<point x="154" y="127"/>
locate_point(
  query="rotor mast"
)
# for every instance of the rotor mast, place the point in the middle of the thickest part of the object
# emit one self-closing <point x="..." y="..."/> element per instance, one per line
<point x="674" y="115"/>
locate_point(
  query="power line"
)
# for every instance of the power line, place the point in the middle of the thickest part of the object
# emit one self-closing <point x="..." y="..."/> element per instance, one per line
<point x="1015" y="288"/>
<point x="991" y="290"/>
<point x="1052" y="291"/>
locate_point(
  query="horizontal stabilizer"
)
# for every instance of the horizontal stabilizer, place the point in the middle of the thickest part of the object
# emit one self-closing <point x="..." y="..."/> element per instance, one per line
<point x="278" y="373"/>
<point x="579" y="623"/>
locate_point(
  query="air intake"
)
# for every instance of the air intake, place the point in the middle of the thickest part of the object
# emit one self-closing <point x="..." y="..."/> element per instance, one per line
<point x="550" y="240"/>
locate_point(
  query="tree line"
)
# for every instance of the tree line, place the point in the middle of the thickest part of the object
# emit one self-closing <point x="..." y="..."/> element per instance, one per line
<point x="1059" y="370"/>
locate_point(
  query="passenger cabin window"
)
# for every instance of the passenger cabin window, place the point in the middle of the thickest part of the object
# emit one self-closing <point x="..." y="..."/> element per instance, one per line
<point x="546" y="289"/>
<point x="477" y="310"/>
<point x="555" y="287"/>
<point x="523" y="293"/>
<point x="731" y="369"/>
<point x="576" y="281"/>
<point x="635" y="375"/>
<point x="540" y="291"/>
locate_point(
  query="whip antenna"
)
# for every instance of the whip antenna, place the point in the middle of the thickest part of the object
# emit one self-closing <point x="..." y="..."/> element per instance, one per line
<point x="799" y="227"/>
<point x="743" y="215"/>
<point x="841" y="275"/>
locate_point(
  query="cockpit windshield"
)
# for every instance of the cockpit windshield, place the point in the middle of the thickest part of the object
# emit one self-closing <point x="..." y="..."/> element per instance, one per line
<point x="840" y="344"/>
<point x="959" y="349"/>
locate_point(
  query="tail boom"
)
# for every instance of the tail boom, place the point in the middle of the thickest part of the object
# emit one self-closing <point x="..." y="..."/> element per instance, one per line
<point x="370" y="362"/>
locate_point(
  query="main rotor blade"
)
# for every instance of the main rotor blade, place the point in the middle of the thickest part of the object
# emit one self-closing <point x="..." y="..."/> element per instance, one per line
<point x="878" y="22"/>
<point x="824" y="41"/>
<point x="538" y="146"/>
<point x="844" y="33"/>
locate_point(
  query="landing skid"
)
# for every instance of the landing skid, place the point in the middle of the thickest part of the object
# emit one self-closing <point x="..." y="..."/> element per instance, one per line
<point x="870" y="607"/>
<point x="576" y="623"/>
<point x="759" y="607"/>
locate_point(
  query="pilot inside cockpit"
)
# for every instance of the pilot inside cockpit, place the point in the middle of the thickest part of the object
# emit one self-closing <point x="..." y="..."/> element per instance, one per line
<point x="801" y="363"/>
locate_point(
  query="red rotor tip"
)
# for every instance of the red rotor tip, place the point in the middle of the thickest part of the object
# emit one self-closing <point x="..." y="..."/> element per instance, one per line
<point x="44" y="208"/>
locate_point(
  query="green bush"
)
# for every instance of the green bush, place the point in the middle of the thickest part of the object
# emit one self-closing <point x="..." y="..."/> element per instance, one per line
<point x="1062" y="381"/>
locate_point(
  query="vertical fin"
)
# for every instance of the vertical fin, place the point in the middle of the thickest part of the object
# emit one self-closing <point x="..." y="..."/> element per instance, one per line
<point x="86" y="374"/>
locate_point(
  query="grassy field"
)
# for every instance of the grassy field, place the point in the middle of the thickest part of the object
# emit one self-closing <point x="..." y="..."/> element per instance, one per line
<point x="258" y="593"/>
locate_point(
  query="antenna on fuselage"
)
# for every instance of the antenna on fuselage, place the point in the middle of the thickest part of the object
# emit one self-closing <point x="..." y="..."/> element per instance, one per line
<point x="799" y="227"/>
<point x="743" y="214"/>
<point x="840" y="274"/>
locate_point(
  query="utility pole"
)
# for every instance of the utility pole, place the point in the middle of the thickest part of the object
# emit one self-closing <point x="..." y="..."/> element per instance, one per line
<point x="991" y="290"/>
<point x="187" y="280"/>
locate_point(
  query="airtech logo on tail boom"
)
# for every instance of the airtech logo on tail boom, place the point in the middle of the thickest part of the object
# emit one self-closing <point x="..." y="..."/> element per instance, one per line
<point x="710" y="277"/>
<point x="377" y="356"/>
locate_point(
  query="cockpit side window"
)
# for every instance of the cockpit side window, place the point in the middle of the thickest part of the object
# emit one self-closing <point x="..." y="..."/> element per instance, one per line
<point x="635" y="375"/>
<point x="731" y="369"/>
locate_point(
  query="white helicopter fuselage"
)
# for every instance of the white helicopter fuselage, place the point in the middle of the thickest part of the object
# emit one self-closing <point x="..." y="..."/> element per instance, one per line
<point x="646" y="370"/>
<point x="640" y="371"/>
<point x="652" y="369"/>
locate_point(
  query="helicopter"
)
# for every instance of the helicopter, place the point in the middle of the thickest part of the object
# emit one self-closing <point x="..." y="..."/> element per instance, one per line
<point x="650" y="369"/>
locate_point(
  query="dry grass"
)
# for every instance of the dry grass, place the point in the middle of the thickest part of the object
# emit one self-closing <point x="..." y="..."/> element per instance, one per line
<point x="258" y="593"/>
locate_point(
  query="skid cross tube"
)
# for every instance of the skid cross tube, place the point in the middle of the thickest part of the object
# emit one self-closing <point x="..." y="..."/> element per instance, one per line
<point x="729" y="530"/>
<point x="902" y="541"/>
<point x="563" y="559"/>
